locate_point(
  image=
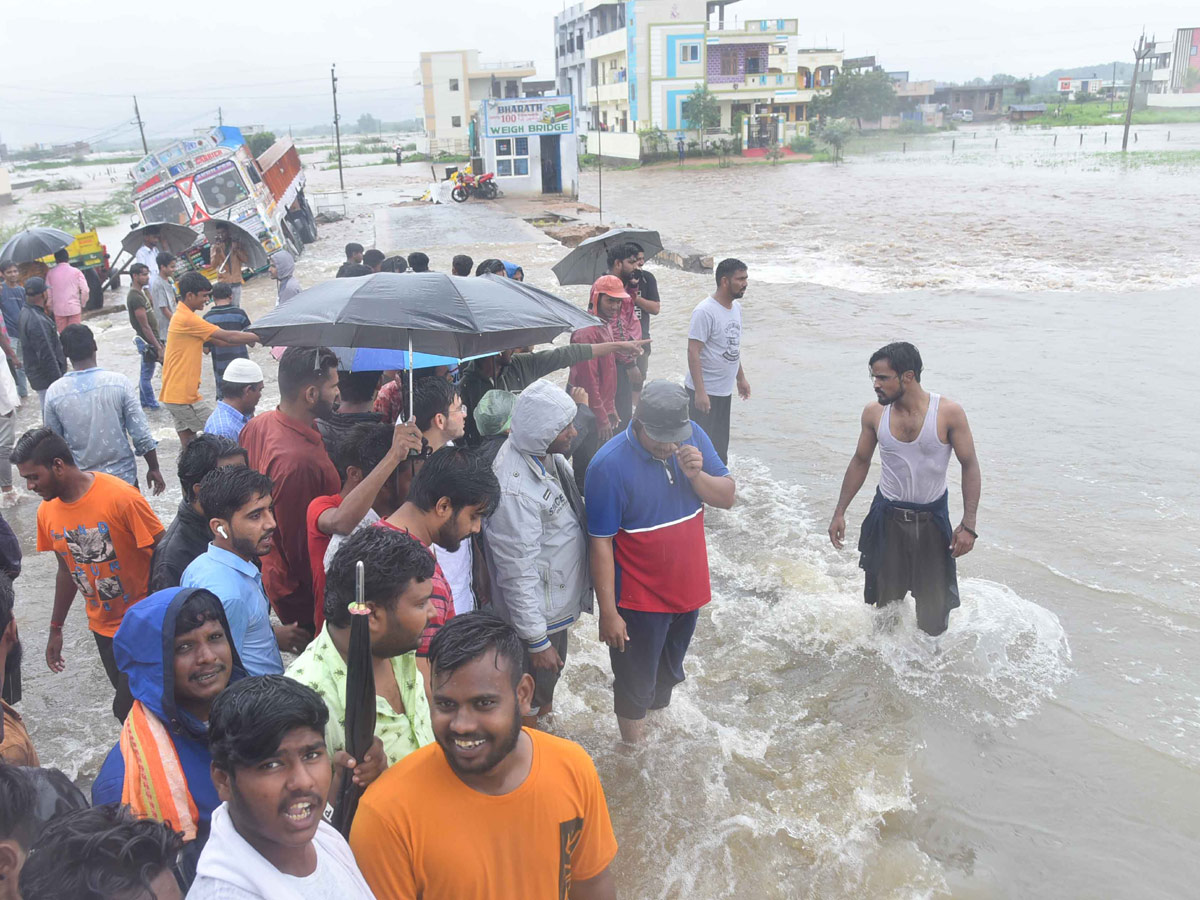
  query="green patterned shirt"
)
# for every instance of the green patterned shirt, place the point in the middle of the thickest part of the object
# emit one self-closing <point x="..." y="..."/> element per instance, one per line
<point x="322" y="668"/>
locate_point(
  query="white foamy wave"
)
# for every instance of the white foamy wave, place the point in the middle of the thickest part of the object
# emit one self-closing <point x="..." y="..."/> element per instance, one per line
<point x="1002" y="656"/>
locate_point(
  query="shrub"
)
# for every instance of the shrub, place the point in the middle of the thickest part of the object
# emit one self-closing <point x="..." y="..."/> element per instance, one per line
<point x="803" y="144"/>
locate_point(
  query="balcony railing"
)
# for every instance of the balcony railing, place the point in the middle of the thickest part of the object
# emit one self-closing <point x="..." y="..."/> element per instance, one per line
<point x="758" y="27"/>
<point x="768" y="82"/>
<point x="503" y="65"/>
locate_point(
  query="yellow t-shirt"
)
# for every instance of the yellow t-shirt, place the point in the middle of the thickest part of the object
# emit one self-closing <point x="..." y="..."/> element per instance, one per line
<point x="184" y="359"/>
<point x="420" y="832"/>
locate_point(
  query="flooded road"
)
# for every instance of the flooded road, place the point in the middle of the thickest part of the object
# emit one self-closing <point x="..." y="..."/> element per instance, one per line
<point x="1047" y="741"/>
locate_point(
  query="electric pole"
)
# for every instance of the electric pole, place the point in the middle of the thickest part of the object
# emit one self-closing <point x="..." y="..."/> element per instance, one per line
<point x="1112" y="96"/>
<point x="337" y="130"/>
<point x="141" y="128"/>
<point x="220" y="117"/>
<point x="1140" y="52"/>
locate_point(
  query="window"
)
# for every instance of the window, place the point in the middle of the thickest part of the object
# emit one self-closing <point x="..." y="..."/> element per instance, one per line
<point x="753" y="65"/>
<point x="728" y="64"/>
<point x="165" y="206"/>
<point x="456" y="121"/>
<point x="689" y="53"/>
<point x="454" y="84"/>
<point x="221" y="186"/>
<point x="512" y="157"/>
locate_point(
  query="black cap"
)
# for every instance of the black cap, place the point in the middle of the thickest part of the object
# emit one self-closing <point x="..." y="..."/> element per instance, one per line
<point x="34" y="286"/>
<point x="663" y="412"/>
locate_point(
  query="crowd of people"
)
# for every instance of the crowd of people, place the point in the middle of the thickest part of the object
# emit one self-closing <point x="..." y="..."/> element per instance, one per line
<point x="470" y="526"/>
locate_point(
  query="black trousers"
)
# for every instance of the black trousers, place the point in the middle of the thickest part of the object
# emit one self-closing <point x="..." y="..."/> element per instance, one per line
<point x="715" y="422"/>
<point x="123" y="700"/>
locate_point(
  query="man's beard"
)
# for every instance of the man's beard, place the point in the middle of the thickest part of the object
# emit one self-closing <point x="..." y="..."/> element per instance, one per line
<point x="245" y="548"/>
<point x="322" y="409"/>
<point x="498" y="753"/>
<point x="448" y="538"/>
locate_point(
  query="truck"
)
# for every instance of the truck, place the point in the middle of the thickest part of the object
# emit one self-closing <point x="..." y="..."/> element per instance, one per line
<point x="214" y="177"/>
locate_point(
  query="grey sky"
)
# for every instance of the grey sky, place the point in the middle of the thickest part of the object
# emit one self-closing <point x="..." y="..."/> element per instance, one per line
<point x="273" y="67"/>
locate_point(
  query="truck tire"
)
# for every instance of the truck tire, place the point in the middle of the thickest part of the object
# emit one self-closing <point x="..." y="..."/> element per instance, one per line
<point x="290" y="244"/>
<point x="95" y="289"/>
<point x="301" y="227"/>
<point x="311" y="221"/>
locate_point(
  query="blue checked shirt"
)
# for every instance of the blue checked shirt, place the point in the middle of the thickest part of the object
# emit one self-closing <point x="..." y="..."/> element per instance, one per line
<point x="226" y="421"/>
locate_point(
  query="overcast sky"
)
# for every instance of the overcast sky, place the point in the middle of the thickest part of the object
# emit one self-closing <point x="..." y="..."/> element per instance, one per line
<point x="273" y="69"/>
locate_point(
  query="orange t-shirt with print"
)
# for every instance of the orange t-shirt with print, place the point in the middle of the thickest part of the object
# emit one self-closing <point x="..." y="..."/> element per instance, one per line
<point x="183" y="361"/>
<point x="107" y="538"/>
<point x="531" y="843"/>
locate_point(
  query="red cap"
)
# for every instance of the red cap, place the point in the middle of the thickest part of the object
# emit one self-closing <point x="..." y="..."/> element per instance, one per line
<point x="611" y="285"/>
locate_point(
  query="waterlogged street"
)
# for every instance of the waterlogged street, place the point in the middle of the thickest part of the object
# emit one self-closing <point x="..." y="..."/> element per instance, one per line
<point x="1046" y="742"/>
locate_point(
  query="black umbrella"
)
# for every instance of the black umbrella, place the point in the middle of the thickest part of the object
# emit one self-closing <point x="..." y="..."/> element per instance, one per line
<point x="360" y="703"/>
<point x="33" y="244"/>
<point x="172" y="238"/>
<point x="429" y="312"/>
<point x="589" y="260"/>
<point x="258" y="258"/>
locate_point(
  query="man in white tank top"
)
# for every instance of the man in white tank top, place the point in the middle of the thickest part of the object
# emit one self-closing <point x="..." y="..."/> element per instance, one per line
<point x="906" y="543"/>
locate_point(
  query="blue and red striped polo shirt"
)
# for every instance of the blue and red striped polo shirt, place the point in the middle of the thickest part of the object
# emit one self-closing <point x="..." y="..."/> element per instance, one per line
<point x="656" y="521"/>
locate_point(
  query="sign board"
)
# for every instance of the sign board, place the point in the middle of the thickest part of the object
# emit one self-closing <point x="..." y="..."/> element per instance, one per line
<point x="528" y="116"/>
<point x="1064" y="84"/>
<point x="859" y="62"/>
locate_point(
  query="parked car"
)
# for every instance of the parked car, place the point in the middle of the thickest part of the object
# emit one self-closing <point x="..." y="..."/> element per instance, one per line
<point x="963" y="115"/>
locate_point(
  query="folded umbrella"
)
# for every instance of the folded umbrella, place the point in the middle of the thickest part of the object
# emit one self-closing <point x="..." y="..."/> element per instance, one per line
<point x="360" y="703"/>
<point x="172" y="238"/>
<point x="33" y="244"/>
<point x="589" y="260"/>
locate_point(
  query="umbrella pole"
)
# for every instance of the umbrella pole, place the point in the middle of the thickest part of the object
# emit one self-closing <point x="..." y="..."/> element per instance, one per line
<point x="410" y="377"/>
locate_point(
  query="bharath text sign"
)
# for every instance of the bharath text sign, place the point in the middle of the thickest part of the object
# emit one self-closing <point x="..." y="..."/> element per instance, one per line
<point x="525" y="116"/>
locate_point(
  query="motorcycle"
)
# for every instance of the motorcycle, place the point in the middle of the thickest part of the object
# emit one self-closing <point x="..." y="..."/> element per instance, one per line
<point x="466" y="185"/>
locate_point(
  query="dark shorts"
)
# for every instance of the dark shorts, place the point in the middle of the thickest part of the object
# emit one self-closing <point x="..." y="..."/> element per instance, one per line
<point x="123" y="700"/>
<point x="544" y="680"/>
<point x="715" y="422"/>
<point x="916" y="559"/>
<point x="652" y="663"/>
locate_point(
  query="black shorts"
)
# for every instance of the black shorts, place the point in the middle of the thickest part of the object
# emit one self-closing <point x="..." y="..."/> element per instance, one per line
<point x="916" y="558"/>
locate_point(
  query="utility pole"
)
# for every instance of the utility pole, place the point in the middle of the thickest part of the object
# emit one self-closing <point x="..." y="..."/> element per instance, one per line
<point x="141" y="128"/>
<point x="1140" y="52"/>
<point x="220" y="117"/>
<point x="337" y="130"/>
<point x="1112" y="96"/>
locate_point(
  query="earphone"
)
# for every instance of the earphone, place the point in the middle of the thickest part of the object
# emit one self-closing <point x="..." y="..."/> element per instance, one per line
<point x="221" y="532"/>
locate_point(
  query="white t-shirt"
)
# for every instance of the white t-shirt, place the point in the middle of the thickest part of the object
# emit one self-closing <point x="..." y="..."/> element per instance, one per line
<point x="457" y="567"/>
<point x="720" y="331"/>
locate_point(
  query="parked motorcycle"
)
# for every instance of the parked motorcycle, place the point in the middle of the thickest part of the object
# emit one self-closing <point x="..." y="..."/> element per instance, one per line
<point x="466" y="185"/>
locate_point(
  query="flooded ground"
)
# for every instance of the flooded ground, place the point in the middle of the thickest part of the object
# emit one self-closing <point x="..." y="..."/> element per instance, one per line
<point x="1047" y="742"/>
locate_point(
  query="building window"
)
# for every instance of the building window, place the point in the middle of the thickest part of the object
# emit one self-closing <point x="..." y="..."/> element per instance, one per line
<point x="689" y="53"/>
<point x="456" y="121"/>
<point x="728" y="64"/>
<point x="512" y="157"/>
<point x="753" y="65"/>
<point x="454" y="84"/>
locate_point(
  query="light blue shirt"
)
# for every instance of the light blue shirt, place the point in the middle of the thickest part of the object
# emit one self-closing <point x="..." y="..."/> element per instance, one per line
<point x="94" y="410"/>
<point x="239" y="586"/>
<point x="226" y="421"/>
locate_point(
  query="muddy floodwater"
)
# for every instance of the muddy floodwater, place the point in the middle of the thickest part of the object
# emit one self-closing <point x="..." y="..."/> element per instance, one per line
<point x="1046" y="744"/>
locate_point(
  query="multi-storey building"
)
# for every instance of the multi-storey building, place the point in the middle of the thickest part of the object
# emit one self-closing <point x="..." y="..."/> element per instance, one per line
<point x="454" y="83"/>
<point x="632" y="65"/>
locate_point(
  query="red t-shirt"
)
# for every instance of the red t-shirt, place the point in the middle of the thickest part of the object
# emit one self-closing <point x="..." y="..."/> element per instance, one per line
<point x="443" y="598"/>
<point x="318" y="543"/>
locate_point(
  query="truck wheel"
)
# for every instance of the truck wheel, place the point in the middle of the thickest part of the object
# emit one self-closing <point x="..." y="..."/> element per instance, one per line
<point x="95" y="289"/>
<point x="293" y="246"/>
<point x="311" y="221"/>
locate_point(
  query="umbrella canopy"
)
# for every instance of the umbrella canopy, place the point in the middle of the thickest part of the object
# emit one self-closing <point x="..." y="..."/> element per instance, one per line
<point x="172" y="238"/>
<point x="360" y="702"/>
<point x="33" y="244"/>
<point x="589" y="260"/>
<point x="371" y="359"/>
<point x="430" y="312"/>
<point x="256" y="256"/>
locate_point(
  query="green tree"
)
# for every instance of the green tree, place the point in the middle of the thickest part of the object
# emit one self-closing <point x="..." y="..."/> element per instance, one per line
<point x="836" y="135"/>
<point x="654" y="141"/>
<point x="260" y="142"/>
<point x="1021" y="88"/>
<point x="1003" y="80"/>
<point x="368" y="124"/>
<point x="858" y="96"/>
<point x="701" y="110"/>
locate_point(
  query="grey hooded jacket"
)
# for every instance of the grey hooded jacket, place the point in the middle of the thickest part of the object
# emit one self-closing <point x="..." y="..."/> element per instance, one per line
<point x="536" y="541"/>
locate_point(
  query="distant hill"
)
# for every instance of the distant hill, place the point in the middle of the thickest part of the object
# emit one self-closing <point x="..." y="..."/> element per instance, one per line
<point x="1048" y="83"/>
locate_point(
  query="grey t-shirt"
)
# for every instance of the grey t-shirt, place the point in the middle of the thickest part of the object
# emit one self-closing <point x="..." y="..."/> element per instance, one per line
<point x="162" y="296"/>
<point x="720" y="331"/>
